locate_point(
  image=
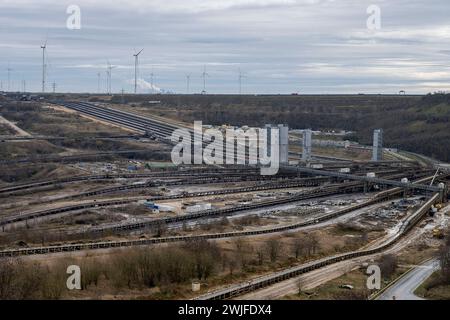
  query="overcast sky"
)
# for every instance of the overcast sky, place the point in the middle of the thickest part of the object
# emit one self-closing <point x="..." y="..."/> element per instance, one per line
<point x="281" y="46"/>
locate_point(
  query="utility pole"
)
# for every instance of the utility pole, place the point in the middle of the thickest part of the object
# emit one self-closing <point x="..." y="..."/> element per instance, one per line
<point x="54" y="86"/>
<point x="136" y="58"/>
<point x="43" y="66"/>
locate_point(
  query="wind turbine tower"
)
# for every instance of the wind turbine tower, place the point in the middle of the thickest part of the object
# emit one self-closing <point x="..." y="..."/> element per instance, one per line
<point x="151" y="82"/>
<point x="204" y="75"/>
<point x="43" y="65"/>
<point x="188" y="82"/>
<point x="109" y="68"/>
<point x="98" y="82"/>
<point x="136" y="58"/>
<point x="9" y="77"/>
<point x="240" y="80"/>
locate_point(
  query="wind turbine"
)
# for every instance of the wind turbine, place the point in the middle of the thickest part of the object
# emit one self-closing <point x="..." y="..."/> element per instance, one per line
<point x="151" y="82"/>
<point x="188" y="81"/>
<point x="9" y="76"/>
<point x="136" y="57"/>
<point x="240" y="80"/>
<point x="98" y="82"/>
<point x="204" y="75"/>
<point x="109" y="68"/>
<point x="43" y="47"/>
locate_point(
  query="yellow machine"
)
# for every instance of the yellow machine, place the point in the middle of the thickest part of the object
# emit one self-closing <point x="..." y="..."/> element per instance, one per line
<point x="438" y="233"/>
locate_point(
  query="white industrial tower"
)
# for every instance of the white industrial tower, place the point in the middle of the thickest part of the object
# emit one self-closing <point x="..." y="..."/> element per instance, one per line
<point x="307" y="145"/>
<point x="136" y="61"/>
<point x="268" y="127"/>
<point x="284" y="143"/>
<point x="377" y="153"/>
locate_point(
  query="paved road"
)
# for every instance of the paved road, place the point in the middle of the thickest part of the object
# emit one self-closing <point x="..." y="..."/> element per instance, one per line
<point x="404" y="289"/>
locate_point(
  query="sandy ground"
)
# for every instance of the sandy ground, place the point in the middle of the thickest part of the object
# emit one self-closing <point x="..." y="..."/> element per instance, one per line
<point x="20" y="132"/>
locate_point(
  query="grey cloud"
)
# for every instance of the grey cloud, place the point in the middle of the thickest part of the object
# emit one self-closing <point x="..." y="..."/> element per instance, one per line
<point x="282" y="46"/>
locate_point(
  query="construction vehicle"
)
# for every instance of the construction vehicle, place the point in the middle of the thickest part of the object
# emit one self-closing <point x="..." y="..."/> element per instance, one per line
<point x="438" y="233"/>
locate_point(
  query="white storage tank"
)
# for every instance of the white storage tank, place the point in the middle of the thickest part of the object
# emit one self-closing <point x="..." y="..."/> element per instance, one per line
<point x="195" y="286"/>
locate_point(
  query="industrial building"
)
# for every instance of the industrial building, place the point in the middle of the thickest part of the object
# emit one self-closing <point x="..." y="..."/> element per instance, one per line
<point x="268" y="127"/>
<point x="306" y="144"/>
<point x="377" y="154"/>
<point x="284" y="143"/>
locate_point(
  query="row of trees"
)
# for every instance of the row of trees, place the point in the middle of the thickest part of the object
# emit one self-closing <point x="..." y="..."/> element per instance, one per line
<point x="415" y="124"/>
<point x="163" y="267"/>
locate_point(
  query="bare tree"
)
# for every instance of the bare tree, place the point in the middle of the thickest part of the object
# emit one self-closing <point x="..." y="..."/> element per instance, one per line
<point x="444" y="259"/>
<point x="298" y="247"/>
<point x="314" y="243"/>
<point x="388" y="265"/>
<point x="273" y="249"/>
<point x="260" y="256"/>
<point x="242" y="250"/>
